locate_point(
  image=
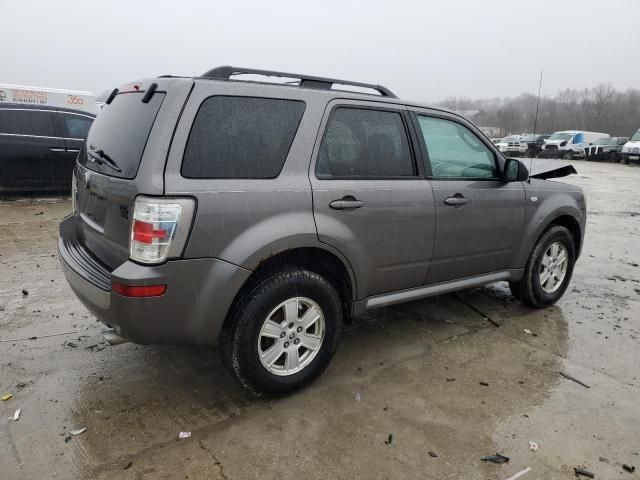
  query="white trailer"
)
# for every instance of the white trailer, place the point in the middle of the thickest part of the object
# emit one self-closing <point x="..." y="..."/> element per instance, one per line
<point x="52" y="97"/>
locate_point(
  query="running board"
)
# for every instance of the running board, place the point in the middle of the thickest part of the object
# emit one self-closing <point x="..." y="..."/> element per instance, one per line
<point x="417" y="293"/>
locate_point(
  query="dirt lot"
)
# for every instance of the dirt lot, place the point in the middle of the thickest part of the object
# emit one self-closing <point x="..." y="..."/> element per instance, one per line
<point x="421" y="390"/>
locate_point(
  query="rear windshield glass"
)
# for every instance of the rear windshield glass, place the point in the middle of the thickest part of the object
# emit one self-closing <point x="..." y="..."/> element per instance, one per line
<point x="119" y="134"/>
<point x="241" y="137"/>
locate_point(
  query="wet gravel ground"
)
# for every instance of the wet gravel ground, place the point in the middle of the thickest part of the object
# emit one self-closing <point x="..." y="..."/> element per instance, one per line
<point x="421" y="390"/>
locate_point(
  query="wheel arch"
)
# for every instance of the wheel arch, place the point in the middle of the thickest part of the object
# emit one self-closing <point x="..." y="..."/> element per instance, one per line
<point x="327" y="263"/>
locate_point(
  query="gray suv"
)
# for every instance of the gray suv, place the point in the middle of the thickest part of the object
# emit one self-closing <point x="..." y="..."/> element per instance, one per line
<point x="262" y="216"/>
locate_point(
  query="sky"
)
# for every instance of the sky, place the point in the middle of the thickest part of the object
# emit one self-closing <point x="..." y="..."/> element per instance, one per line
<point x="422" y="50"/>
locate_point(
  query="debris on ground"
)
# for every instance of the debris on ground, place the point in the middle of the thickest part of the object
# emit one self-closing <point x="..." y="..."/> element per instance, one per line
<point x="184" y="434"/>
<point x="39" y="213"/>
<point x="67" y="439"/>
<point x="71" y="344"/>
<point x="628" y="468"/>
<point x="128" y="466"/>
<point x="358" y="397"/>
<point x="497" y="459"/>
<point x="389" y="440"/>
<point x="581" y="471"/>
<point x="16" y="415"/>
<point x="533" y="446"/>
<point x="433" y="454"/>
<point x="527" y="331"/>
<point x="78" y="431"/>
<point x="21" y="385"/>
<point x="25" y="292"/>
<point x="484" y="384"/>
<point x="6" y="397"/>
<point x="520" y="473"/>
<point x="574" y="379"/>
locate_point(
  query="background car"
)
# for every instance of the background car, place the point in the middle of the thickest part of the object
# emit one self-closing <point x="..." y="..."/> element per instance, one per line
<point x="530" y="144"/>
<point x="509" y="145"/>
<point x="569" y="143"/>
<point x="605" y="149"/>
<point x="631" y="149"/>
<point x="39" y="146"/>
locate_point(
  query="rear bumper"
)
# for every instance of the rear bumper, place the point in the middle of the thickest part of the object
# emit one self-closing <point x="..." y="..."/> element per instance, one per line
<point x="198" y="296"/>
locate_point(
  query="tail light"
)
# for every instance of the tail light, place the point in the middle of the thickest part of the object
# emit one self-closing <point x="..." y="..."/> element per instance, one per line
<point x="160" y="228"/>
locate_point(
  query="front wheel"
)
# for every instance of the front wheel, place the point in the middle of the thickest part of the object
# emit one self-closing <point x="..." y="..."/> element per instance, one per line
<point x="549" y="269"/>
<point x="283" y="332"/>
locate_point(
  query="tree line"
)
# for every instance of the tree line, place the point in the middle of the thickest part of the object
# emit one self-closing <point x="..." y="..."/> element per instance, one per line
<point x="600" y="109"/>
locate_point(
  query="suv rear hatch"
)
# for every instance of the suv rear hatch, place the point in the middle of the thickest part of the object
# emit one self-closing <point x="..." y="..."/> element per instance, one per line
<point x="124" y="156"/>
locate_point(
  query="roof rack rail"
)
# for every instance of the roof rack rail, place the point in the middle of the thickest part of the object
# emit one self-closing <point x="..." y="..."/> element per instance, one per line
<point x="307" y="81"/>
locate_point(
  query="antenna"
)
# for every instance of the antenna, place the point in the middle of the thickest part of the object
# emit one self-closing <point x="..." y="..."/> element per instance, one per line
<point x="535" y="123"/>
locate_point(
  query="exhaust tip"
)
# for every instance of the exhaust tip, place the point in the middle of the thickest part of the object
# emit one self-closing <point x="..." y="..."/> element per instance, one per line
<point x="113" y="338"/>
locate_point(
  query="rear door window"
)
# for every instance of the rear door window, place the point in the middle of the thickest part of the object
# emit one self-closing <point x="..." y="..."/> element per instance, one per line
<point x="241" y="137"/>
<point x="75" y="126"/>
<point x="39" y="123"/>
<point x="363" y="143"/>
<point x="120" y="132"/>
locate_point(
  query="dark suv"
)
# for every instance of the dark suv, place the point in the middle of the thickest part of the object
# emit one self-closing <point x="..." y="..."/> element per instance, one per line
<point x="39" y="145"/>
<point x="262" y="216"/>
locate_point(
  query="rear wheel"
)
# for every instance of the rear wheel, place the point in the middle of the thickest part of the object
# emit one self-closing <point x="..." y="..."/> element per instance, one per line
<point x="549" y="269"/>
<point x="613" y="157"/>
<point x="283" y="332"/>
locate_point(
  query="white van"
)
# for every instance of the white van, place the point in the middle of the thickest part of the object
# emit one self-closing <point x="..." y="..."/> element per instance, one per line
<point x="51" y="97"/>
<point x="631" y="149"/>
<point x="569" y="143"/>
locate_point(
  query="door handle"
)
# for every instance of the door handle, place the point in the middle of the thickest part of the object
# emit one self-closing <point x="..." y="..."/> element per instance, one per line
<point x="346" y="203"/>
<point x="73" y="150"/>
<point x="57" y="150"/>
<point x="456" y="201"/>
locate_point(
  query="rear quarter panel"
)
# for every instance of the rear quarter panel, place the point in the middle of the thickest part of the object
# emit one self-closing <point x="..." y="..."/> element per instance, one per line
<point x="244" y="221"/>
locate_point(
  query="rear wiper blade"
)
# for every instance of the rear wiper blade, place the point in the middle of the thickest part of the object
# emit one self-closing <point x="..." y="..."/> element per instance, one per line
<point x="104" y="159"/>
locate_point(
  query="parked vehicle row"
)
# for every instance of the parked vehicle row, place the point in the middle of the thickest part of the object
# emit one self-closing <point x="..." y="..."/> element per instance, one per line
<point x="570" y="144"/>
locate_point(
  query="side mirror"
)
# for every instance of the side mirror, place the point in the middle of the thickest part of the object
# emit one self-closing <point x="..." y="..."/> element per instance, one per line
<point x="515" y="171"/>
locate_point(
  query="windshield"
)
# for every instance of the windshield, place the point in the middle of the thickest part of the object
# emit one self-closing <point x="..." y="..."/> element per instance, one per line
<point x="561" y="136"/>
<point x="526" y="138"/>
<point x="512" y="138"/>
<point x="119" y="134"/>
<point x="636" y="137"/>
<point x="606" y="141"/>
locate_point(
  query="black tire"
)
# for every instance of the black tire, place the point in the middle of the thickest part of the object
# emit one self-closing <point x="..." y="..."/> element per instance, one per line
<point x="528" y="290"/>
<point x="240" y="349"/>
<point x="613" y="157"/>
<point x="568" y="156"/>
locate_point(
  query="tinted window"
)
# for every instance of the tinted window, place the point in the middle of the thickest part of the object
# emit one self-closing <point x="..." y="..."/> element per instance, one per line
<point x="241" y="137"/>
<point x="361" y="143"/>
<point x="121" y="131"/>
<point x="27" y="122"/>
<point x="454" y="151"/>
<point x="76" y="126"/>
